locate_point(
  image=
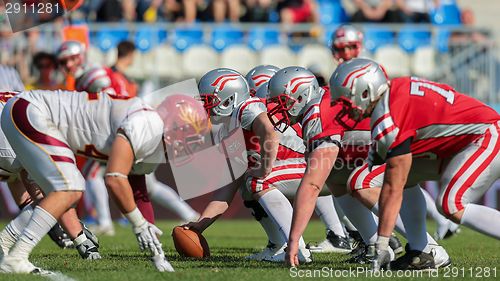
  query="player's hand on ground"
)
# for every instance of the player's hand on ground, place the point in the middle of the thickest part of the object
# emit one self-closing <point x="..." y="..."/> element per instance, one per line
<point x="292" y="254"/>
<point x="161" y="263"/>
<point x="147" y="236"/>
<point x="381" y="260"/>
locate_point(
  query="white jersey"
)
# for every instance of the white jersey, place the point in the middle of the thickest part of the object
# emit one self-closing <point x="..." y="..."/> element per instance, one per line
<point x="8" y="165"/>
<point x="89" y="124"/>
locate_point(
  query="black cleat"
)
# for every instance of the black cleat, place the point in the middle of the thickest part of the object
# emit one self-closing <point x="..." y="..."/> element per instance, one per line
<point x="363" y="255"/>
<point x="395" y="244"/>
<point x="414" y="260"/>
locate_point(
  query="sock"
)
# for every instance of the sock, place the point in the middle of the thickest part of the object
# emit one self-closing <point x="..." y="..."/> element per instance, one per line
<point x="399" y="223"/>
<point x="39" y="225"/>
<point x="413" y="213"/>
<point x="443" y="224"/>
<point x="9" y="202"/>
<point x="280" y="210"/>
<point x="12" y="231"/>
<point x="141" y="198"/>
<point x="328" y="215"/>
<point x="272" y="230"/>
<point x="360" y="216"/>
<point x="346" y="223"/>
<point x="99" y="195"/>
<point x="482" y="219"/>
<point x="168" y="198"/>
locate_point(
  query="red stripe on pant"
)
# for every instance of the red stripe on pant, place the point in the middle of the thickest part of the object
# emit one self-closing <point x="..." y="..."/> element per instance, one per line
<point x="285" y="177"/>
<point x="138" y="184"/>
<point x="462" y="170"/>
<point x="468" y="183"/>
<point x="375" y="173"/>
<point x="354" y="179"/>
<point x="21" y="121"/>
<point x="254" y="181"/>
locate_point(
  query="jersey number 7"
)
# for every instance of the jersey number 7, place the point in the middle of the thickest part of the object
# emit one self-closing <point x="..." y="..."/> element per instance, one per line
<point x="418" y="86"/>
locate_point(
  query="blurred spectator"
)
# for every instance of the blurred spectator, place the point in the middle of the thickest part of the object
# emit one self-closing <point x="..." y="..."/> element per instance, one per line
<point x="153" y="12"/>
<point x="226" y="8"/>
<point x="375" y="11"/>
<point x="465" y="37"/>
<point x="257" y="10"/>
<point x="110" y="10"/>
<point x="46" y="66"/>
<point x="9" y="79"/>
<point x="416" y="11"/>
<point x="125" y="59"/>
<point x="297" y="11"/>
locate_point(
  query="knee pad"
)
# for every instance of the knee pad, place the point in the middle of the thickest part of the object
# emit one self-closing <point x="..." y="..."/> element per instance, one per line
<point x="258" y="211"/>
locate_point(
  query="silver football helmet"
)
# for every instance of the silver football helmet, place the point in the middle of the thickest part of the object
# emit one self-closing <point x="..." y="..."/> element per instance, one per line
<point x="94" y="80"/>
<point x="346" y="36"/>
<point x="360" y="82"/>
<point x="222" y="90"/>
<point x="258" y="76"/>
<point x="75" y="51"/>
<point x="290" y="89"/>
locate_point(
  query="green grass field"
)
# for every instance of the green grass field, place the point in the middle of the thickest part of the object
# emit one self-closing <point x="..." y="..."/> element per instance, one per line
<point x="231" y="240"/>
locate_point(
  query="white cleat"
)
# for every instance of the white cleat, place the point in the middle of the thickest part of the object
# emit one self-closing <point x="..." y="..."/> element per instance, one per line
<point x="441" y="257"/>
<point x="269" y="251"/>
<point x="305" y="256"/>
<point x="104" y="230"/>
<point x="11" y="264"/>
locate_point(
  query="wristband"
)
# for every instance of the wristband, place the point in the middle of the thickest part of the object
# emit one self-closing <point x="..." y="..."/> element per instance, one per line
<point x="135" y="218"/>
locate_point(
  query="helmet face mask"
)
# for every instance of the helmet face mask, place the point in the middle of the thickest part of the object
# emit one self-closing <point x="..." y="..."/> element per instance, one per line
<point x="221" y="91"/>
<point x="289" y="91"/>
<point x="362" y="81"/>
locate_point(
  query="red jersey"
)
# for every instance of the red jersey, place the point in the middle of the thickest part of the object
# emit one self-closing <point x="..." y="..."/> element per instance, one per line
<point x="440" y="121"/>
<point x="319" y="126"/>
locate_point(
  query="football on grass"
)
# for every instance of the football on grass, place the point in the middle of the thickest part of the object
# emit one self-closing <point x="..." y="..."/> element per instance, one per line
<point x="190" y="243"/>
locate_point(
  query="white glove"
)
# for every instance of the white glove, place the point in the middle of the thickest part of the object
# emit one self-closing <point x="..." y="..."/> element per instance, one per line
<point x="147" y="237"/>
<point x="161" y="263"/>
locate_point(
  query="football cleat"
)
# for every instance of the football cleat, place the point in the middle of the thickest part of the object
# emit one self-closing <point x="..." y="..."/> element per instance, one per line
<point x="414" y="260"/>
<point x="332" y="244"/>
<point x="60" y="237"/>
<point x="395" y="244"/>
<point x="363" y="254"/>
<point x="355" y="239"/>
<point x="441" y="257"/>
<point x="12" y="264"/>
<point x="305" y="256"/>
<point x="270" y="250"/>
<point x="366" y="255"/>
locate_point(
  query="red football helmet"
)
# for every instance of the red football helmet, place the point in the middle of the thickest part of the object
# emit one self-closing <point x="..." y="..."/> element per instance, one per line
<point x="185" y="126"/>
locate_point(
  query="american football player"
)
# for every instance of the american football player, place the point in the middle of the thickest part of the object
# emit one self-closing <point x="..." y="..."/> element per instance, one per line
<point x="48" y="128"/>
<point x="336" y="240"/>
<point x="455" y="142"/>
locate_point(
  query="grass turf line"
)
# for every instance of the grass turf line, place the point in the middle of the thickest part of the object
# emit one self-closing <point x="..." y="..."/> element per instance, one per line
<point x="230" y="241"/>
